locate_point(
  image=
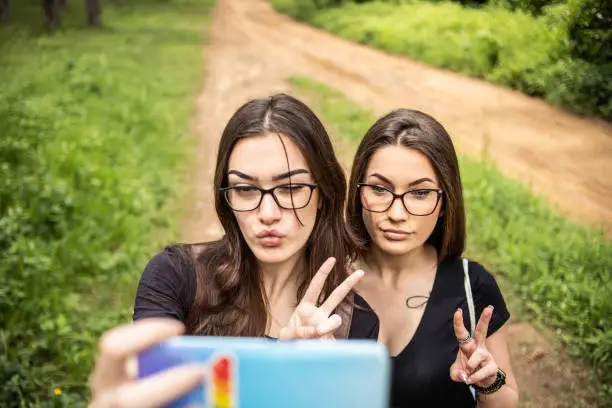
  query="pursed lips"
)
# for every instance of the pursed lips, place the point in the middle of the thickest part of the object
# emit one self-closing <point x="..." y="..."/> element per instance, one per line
<point x="270" y="238"/>
<point x="396" y="231"/>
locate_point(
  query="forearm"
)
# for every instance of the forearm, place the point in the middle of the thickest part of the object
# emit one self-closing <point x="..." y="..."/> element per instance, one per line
<point x="506" y="397"/>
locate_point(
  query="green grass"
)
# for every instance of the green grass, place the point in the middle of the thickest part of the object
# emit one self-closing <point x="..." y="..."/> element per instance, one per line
<point x="94" y="146"/>
<point x="515" y="49"/>
<point x="561" y="272"/>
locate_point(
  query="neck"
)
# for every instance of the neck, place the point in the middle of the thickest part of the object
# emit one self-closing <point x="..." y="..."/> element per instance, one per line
<point x="281" y="278"/>
<point x="394" y="270"/>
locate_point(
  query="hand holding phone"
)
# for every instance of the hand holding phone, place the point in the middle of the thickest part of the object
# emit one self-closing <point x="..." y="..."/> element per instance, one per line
<point x="114" y="384"/>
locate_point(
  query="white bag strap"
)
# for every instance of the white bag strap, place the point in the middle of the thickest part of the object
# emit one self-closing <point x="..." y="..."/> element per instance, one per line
<point x="470" y="298"/>
<point x="470" y="302"/>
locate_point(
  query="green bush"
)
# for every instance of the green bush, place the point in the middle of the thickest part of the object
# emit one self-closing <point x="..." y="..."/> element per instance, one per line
<point x="562" y="272"/>
<point x="531" y="54"/>
<point x="590" y="31"/>
<point x="93" y="142"/>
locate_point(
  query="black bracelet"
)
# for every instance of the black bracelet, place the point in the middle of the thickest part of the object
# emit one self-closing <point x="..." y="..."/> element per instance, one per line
<point x="500" y="380"/>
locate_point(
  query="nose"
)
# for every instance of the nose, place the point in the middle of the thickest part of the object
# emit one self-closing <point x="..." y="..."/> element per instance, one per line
<point x="397" y="212"/>
<point x="269" y="211"/>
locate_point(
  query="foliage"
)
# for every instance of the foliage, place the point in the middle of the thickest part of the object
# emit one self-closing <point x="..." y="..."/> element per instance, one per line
<point x="92" y="151"/>
<point x="563" y="55"/>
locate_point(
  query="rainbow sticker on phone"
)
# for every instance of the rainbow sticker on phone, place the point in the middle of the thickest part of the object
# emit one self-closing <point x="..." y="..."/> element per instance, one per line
<point x="222" y="384"/>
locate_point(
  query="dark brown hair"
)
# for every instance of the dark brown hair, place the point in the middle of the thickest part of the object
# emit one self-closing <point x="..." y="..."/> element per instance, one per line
<point x="419" y="131"/>
<point x="229" y="296"/>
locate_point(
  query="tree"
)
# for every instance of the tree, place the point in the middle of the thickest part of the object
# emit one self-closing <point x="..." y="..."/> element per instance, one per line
<point x="4" y="10"/>
<point x="51" y="9"/>
<point x="590" y="32"/>
<point x="94" y="12"/>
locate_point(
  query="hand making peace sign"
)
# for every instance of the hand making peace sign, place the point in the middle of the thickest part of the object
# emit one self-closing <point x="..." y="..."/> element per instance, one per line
<point x="312" y="321"/>
<point x="474" y="363"/>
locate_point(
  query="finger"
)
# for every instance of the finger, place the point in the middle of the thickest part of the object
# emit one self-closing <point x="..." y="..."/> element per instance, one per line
<point x="480" y="334"/>
<point x="458" y="375"/>
<point x="305" y="311"/>
<point x="334" y="299"/>
<point x="480" y="357"/>
<point x="122" y="342"/>
<point x="461" y="333"/>
<point x="153" y="391"/>
<point x="286" y="333"/>
<point x="125" y="340"/>
<point x="318" y="281"/>
<point x="306" y="332"/>
<point x="458" y="325"/>
<point x="485" y="376"/>
<point x="330" y="325"/>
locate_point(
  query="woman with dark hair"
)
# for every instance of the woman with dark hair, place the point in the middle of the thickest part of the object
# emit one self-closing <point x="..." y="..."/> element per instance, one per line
<point x="406" y="205"/>
<point x="279" y="271"/>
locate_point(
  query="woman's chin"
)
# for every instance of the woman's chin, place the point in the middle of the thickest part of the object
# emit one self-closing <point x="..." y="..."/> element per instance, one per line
<point x="271" y="255"/>
<point x="396" y="248"/>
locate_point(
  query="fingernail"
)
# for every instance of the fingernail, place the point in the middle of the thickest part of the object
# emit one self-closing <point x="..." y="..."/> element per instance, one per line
<point x="359" y="273"/>
<point x="459" y="310"/>
<point x="464" y="378"/>
<point x="491" y="307"/>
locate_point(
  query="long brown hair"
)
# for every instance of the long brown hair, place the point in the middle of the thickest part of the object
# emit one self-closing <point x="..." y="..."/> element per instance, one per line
<point x="419" y="131"/>
<point x="229" y="296"/>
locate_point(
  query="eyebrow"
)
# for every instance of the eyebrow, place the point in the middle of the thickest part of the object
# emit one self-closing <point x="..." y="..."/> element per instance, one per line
<point x="413" y="183"/>
<point x="275" y="178"/>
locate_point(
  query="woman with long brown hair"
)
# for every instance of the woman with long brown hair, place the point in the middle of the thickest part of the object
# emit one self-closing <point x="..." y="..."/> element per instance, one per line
<point x="406" y="205"/>
<point x="279" y="271"/>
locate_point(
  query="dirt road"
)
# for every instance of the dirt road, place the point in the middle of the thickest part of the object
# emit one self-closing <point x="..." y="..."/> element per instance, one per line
<point x="565" y="158"/>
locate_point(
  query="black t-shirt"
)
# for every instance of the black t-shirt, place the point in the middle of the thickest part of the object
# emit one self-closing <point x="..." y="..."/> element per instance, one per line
<point x="166" y="287"/>
<point x="421" y="372"/>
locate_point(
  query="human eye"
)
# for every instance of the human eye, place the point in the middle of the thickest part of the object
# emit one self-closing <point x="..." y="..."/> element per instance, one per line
<point x="290" y="188"/>
<point x="421" y="194"/>
<point x="379" y="190"/>
<point x="244" y="189"/>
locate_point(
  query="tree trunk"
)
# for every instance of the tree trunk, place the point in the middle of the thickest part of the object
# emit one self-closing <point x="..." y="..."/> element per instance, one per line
<point x="63" y="4"/>
<point x="51" y="8"/>
<point x="94" y="12"/>
<point x="4" y="10"/>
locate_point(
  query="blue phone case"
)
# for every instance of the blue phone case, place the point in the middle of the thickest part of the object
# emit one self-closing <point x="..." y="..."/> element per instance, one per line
<point x="253" y="373"/>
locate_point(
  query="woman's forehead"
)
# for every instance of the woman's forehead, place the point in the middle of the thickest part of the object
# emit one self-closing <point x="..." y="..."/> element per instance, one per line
<point x="264" y="157"/>
<point x="401" y="165"/>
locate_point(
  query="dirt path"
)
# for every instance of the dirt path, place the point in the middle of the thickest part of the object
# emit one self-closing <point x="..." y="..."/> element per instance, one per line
<point x="565" y="158"/>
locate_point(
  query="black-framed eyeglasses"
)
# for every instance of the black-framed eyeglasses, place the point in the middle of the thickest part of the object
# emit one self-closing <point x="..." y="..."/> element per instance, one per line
<point x="419" y="202"/>
<point x="293" y="196"/>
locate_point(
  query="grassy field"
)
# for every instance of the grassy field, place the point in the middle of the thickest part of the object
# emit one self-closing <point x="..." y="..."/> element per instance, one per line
<point x="560" y="272"/>
<point x="513" y="48"/>
<point x="94" y="144"/>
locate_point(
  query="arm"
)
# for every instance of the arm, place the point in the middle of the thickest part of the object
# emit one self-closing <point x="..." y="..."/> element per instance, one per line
<point x="508" y="395"/>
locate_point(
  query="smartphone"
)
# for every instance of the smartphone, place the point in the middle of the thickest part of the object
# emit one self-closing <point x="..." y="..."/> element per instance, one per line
<point x="255" y="372"/>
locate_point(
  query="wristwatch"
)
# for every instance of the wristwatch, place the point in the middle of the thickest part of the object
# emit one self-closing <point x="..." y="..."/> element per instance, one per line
<point x="500" y="380"/>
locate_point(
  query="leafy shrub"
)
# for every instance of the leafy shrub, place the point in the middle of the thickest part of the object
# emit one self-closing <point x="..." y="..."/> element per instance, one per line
<point x="531" y="54"/>
<point x="92" y="144"/>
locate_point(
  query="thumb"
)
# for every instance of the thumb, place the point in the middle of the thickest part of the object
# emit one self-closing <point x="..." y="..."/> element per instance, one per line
<point x="457" y="374"/>
<point x="286" y="333"/>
